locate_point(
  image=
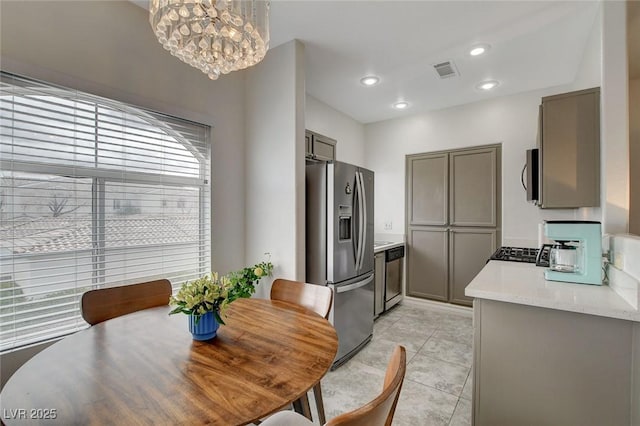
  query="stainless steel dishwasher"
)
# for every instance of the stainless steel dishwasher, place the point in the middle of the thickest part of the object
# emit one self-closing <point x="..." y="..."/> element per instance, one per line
<point x="393" y="276"/>
<point x="379" y="294"/>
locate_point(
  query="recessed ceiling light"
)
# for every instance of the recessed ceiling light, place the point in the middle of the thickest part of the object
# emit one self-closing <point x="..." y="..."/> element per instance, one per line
<point x="479" y="49"/>
<point x="370" y="80"/>
<point x="488" y="85"/>
<point x="401" y="105"/>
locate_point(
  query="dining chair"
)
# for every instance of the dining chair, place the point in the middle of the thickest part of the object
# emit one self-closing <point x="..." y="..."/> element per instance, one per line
<point x="316" y="298"/>
<point x="105" y="303"/>
<point x="378" y="412"/>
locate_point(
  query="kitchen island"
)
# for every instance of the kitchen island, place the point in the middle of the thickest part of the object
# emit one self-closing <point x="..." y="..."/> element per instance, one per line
<point x="552" y="353"/>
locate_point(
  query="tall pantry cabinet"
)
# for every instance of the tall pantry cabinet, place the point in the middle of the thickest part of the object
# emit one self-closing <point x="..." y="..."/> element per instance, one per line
<point x="453" y="220"/>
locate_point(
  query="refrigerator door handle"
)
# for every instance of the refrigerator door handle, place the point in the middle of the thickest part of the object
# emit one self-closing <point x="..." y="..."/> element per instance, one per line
<point x="349" y="287"/>
<point x="363" y="216"/>
<point x="356" y="239"/>
<point x="361" y="224"/>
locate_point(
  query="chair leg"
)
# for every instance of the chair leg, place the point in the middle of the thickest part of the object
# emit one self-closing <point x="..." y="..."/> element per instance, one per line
<point x="317" y="393"/>
<point x="302" y="406"/>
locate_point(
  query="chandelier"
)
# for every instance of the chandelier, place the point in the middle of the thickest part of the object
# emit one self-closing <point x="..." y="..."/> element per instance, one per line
<point x="215" y="36"/>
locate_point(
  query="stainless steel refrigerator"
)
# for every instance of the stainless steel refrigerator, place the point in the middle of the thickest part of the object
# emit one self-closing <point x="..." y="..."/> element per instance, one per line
<point x="339" y="248"/>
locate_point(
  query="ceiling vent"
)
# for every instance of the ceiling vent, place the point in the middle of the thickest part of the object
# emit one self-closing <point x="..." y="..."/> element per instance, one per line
<point x="446" y="69"/>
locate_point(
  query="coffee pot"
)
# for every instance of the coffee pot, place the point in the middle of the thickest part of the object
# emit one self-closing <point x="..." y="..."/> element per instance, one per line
<point x="576" y="254"/>
<point x="565" y="257"/>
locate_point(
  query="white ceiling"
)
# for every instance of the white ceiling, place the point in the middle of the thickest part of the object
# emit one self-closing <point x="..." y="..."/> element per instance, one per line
<point x="534" y="44"/>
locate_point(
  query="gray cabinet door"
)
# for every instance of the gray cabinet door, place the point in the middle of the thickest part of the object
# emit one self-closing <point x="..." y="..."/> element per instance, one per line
<point x="453" y="219"/>
<point x="538" y="366"/>
<point x="473" y="189"/>
<point x="428" y="259"/>
<point x="319" y="147"/>
<point x="570" y="147"/>
<point x="428" y="198"/>
<point x="469" y="250"/>
<point x="324" y="148"/>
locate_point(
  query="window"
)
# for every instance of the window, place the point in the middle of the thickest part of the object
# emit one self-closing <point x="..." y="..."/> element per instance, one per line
<point x="93" y="193"/>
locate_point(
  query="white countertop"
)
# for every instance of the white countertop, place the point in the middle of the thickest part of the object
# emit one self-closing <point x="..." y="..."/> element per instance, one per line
<point x="388" y="245"/>
<point x="524" y="284"/>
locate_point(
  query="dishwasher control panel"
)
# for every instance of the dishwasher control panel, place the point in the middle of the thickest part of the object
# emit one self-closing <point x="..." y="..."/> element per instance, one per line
<point x="394" y="253"/>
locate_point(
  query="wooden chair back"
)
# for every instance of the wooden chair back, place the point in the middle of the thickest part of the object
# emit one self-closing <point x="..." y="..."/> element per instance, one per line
<point x="106" y="303"/>
<point x="380" y="411"/>
<point x="317" y="298"/>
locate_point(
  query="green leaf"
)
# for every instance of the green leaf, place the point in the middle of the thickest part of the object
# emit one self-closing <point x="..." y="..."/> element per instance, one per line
<point x="218" y="317"/>
<point x="176" y="310"/>
<point x="237" y="284"/>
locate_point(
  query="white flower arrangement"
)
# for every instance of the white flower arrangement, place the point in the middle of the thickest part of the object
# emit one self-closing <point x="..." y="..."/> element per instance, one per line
<point x="214" y="293"/>
<point x="205" y="294"/>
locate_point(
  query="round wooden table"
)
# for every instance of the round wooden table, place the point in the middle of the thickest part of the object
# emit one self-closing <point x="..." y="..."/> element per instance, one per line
<point x="144" y="368"/>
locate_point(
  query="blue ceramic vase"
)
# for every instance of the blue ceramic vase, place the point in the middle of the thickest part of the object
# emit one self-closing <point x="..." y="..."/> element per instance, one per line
<point x="206" y="328"/>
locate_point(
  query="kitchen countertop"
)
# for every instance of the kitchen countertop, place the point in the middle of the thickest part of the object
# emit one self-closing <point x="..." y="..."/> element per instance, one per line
<point x="524" y="284"/>
<point x="380" y="246"/>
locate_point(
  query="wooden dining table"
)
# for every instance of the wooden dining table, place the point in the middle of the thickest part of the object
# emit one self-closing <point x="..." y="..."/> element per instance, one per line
<point x="144" y="368"/>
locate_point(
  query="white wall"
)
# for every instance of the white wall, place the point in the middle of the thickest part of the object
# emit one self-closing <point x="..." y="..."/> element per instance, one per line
<point x="604" y="64"/>
<point x="589" y="72"/>
<point x="108" y="49"/>
<point x="511" y="120"/>
<point x="274" y="164"/>
<point x="615" y="119"/>
<point x="633" y="50"/>
<point x="634" y="155"/>
<point x="349" y="133"/>
<point x="588" y="75"/>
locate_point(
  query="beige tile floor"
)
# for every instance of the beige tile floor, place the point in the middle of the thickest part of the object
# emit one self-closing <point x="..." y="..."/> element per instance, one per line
<point x="437" y="386"/>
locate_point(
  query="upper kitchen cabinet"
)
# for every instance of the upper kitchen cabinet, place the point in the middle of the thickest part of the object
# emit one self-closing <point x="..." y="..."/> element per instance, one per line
<point x="319" y="147"/>
<point x="473" y="196"/>
<point x="428" y="198"/>
<point x="570" y="150"/>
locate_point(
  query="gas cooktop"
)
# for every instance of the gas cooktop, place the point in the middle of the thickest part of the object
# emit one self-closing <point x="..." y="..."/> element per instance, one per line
<point x="522" y="254"/>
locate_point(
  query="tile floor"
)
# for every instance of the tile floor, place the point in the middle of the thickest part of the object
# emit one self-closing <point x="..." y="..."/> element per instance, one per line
<point x="437" y="386"/>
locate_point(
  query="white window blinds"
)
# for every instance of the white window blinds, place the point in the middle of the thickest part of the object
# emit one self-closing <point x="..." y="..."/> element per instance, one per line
<point x="93" y="193"/>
